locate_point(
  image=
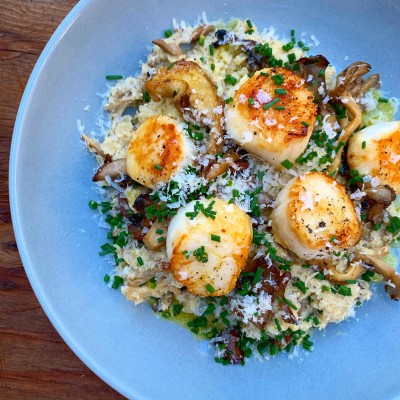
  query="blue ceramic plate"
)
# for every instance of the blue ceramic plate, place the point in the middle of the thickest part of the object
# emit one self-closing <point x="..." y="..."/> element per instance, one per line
<point x="139" y="355"/>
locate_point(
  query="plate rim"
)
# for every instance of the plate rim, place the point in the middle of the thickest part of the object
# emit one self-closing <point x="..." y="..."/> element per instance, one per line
<point x="55" y="38"/>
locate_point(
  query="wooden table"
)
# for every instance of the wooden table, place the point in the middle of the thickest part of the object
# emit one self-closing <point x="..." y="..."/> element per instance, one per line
<point x="35" y="363"/>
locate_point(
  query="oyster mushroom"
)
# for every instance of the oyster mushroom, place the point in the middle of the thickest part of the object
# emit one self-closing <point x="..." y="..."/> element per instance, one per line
<point x="391" y="277"/>
<point x="113" y="169"/>
<point x="94" y="146"/>
<point x="152" y="239"/>
<point x="352" y="272"/>
<point x="173" y="48"/>
<point x="194" y="95"/>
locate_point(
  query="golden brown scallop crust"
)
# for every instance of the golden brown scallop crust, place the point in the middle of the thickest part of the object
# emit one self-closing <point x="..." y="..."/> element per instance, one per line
<point x="156" y="151"/>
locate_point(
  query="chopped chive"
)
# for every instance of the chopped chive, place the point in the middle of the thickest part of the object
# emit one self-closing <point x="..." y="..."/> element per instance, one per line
<point x="271" y="103"/>
<point x="316" y="321"/>
<point x="377" y="226"/>
<point x="249" y="24"/>
<point x="344" y="291"/>
<point x="230" y="80"/>
<point x="305" y="124"/>
<point x="278" y="79"/>
<point x="326" y="288"/>
<point x="320" y="276"/>
<point x="264" y="74"/>
<point x="92" y="204"/>
<point x="287" y="164"/>
<point x="159" y="167"/>
<point x="118" y="281"/>
<point x="228" y="100"/>
<point x="203" y="60"/>
<point x="215" y="238"/>
<point x="280" y="91"/>
<point x="170" y="66"/>
<point x="279" y="108"/>
<point x="290" y="304"/>
<point x="278" y="325"/>
<point x="201" y="40"/>
<point x="159" y="231"/>
<point x="212" y="66"/>
<point x="383" y="100"/>
<point x="257" y="275"/>
<point x="292" y="58"/>
<point x="250" y="101"/>
<point x="301" y="286"/>
<point x="160" y="239"/>
<point x="211" y="49"/>
<point x="140" y="261"/>
<point x="106" y="278"/>
<point x="364" y="144"/>
<point x="351" y="281"/>
<point x="210" y="288"/>
<point x="114" y="77"/>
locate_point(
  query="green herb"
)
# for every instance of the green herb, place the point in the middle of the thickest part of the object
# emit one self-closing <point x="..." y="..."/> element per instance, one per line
<point x="288" y="46"/>
<point x="394" y="225"/>
<point x="264" y="74"/>
<point x="203" y="60"/>
<point x="228" y="100"/>
<point x="257" y="275"/>
<point x="377" y="226"/>
<point x="92" y="204"/>
<point x="215" y="238"/>
<point x="249" y="24"/>
<point x="210" y="309"/>
<point x="326" y="288"/>
<point x="170" y="66"/>
<point x="159" y="167"/>
<point x="201" y="40"/>
<point x="383" y="100"/>
<point x="290" y="304"/>
<point x="301" y="286"/>
<point x="271" y="103"/>
<point x="250" y="101"/>
<point x="305" y="124"/>
<point x="320" y="276"/>
<point x="211" y="49"/>
<point x="280" y="91"/>
<point x="351" y="281"/>
<point x="279" y="108"/>
<point x="168" y="33"/>
<point x="287" y="164"/>
<point x="344" y="291"/>
<point x="160" y="239"/>
<point x="230" y="80"/>
<point x="106" y="278"/>
<point x="159" y="231"/>
<point x="367" y="275"/>
<point x="278" y="325"/>
<point x="364" y="144"/>
<point x="212" y="66"/>
<point x="140" y="261"/>
<point x="201" y="254"/>
<point x="292" y="58"/>
<point x="118" y="281"/>
<point x="114" y="77"/>
<point x="278" y="79"/>
<point x="146" y="97"/>
<point x="210" y="288"/>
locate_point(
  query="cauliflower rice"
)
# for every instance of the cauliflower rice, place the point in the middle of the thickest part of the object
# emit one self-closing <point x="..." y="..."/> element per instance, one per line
<point x="253" y="318"/>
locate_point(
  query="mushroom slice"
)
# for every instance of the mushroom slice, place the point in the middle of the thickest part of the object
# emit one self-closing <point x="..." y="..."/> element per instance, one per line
<point x="94" y="146"/>
<point x="355" y="111"/>
<point x="174" y="48"/>
<point x="383" y="194"/>
<point x="153" y="240"/>
<point x="352" y="272"/>
<point x="391" y="277"/>
<point x="194" y="95"/>
<point x="113" y="169"/>
<point x="349" y="78"/>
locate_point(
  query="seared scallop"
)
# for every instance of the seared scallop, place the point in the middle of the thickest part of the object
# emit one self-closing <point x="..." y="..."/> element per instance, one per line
<point x="315" y="218"/>
<point x="272" y="115"/>
<point x="158" y="150"/>
<point x="208" y="243"/>
<point x="375" y="151"/>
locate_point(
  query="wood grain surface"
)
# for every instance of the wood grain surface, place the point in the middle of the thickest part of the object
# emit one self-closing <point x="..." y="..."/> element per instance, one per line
<point x="35" y="363"/>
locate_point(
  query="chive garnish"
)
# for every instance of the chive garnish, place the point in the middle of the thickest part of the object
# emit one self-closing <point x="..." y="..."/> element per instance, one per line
<point x="305" y="124"/>
<point x="279" y="108"/>
<point x="383" y="100"/>
<point x="160" y="239"/>
<point x="290" y="304"/>
<point x="280" y="91"/>
<point x="201" y="40"/>
<point x="106" y="278"/>
<point x="278" y="325"/>
<point x="170" y="66"/>
<point x="215" y="238"/>
<point x="287" y="164"/>
<point x="114" y="77"/>
<point x="264" y="74"/>
<point x="159" y="231"/>
<point x="271" y="103"/>
<point x="250" y="101"/>
<point x="210" y="288"/>
<point x="159" y="167"/>
<point x="278" y="79"/>
<point x="364" y="145"/>
<point x="211" y="49"/>
<point x="140" y="261"/>
<point x="168" y="33"/>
